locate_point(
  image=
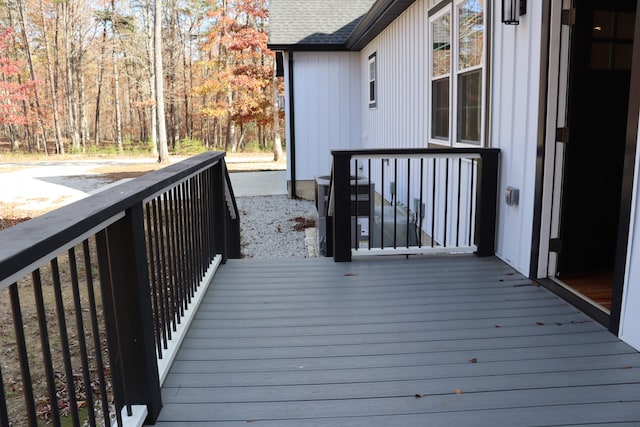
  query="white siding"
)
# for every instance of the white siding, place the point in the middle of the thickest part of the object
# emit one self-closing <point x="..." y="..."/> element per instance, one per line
<point x="327" y="92"/>
<point x="400" y="119"/>
<point x="400" y="115"/>
<point x="630" y="316"/>
<point x="515" y="97"/>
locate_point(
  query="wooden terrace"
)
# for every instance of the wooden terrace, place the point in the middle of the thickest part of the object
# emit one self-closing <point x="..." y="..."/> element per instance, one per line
<point x="396" y="342"/>
<point x="137" y="294"/>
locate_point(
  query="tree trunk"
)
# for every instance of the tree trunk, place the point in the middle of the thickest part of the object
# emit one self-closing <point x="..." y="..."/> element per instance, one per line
<point x="96" y="125"/>
<point x="15" y="141"/>
<point x="84" y="126"/>
<point x="52" y="85"/>
<point x="231" y="136"/>
<point x="163" y="149"/>
<point x="187" y="86"/>
<point x="153" y="129"/>
<point x="243" y="133"/>
<point x="23" y="28"/>
<point x="15" y="137"/>
<point x="116" y="97"/>
<point x="116" y="100"/>
<point x="174" y="120"/>
<point x="70" y="59"/>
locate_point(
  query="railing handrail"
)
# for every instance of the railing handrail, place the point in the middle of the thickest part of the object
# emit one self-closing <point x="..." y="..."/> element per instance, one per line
<point x="25" y="244"/>
<point x="157" y="241"/>
<point x="413" y="151"/>
<point x="486" y="191"/>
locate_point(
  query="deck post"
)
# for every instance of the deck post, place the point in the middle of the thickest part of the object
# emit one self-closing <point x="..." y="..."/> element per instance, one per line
<point x="486" y="204"/>
<point x="342" y="210"/>
<point x="219" y="211"/>
<point x="131" y="311"/>
<point x="232" y="222"/>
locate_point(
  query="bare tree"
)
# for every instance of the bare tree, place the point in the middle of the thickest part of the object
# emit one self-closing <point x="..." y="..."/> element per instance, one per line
<point x="23" y="27"/>
<point x="163" y="149"/>
<point x="116" y="77"/>
<point x="100" y="16"/>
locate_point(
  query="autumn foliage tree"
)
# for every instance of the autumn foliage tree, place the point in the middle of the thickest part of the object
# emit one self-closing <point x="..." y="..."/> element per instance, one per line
<point x="14" y="92"/>
<point x="96" y="67"/>
<point x="238" y="72"/>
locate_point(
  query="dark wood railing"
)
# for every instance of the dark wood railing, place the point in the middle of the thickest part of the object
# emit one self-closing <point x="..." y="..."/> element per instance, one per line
<point x="99" y="290"/>
<point x="412" y="201"/>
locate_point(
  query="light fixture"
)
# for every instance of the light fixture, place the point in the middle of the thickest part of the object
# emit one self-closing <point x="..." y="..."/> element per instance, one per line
<point x="512" y="10"/>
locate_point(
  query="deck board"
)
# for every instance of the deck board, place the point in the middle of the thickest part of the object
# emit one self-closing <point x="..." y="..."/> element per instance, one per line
<point x="315" y="343"/>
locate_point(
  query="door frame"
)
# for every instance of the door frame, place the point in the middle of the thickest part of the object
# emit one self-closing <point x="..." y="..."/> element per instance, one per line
<point x="553" y="98"/>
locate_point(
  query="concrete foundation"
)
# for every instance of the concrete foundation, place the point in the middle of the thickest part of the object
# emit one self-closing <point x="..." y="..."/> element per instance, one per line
<point x="305" y="189"/>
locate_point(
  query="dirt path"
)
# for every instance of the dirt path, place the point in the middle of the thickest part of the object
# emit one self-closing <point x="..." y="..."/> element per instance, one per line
<point x="33" y="187"/>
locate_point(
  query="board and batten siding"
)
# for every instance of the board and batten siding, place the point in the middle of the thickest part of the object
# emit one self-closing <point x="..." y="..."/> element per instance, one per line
<point x="400" y="116"/>
<point x="327" y="92"/>
<point x="630" y="314"/>
<point x="513" y="128"/>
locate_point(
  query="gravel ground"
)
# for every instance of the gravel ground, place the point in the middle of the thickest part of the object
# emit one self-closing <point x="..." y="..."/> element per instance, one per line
<point x="269" y="224"/>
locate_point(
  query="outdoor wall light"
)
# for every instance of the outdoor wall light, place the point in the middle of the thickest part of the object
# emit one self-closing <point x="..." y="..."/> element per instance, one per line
<point x="512" y="10"/>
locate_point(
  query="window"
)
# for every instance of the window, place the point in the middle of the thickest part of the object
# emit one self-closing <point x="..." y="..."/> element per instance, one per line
<point x="457" y="83"/>
<point x="440" y="72"/>
<point x="612" y="40"/>
<point x="372" y="81"/>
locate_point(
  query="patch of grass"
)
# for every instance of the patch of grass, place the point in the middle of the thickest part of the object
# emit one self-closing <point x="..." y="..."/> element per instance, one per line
<point x="255" y="147"/>
<point x="188" y="146"/>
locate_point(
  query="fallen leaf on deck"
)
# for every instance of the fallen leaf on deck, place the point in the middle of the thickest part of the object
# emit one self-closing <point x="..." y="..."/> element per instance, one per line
<point x="458" y="391"/>
<point x="419" y="395"/>
<point x="350" y="274"/>
<point x="498" y="326"/>
<point x="539" y="323"/>
<point x="474" y="360"/>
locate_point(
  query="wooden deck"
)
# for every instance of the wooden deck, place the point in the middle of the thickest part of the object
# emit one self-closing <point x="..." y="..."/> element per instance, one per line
<point x="441" y="341"/>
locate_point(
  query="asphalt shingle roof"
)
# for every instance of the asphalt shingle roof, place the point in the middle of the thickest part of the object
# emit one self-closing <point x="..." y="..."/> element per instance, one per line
<point x="314" y="22"/>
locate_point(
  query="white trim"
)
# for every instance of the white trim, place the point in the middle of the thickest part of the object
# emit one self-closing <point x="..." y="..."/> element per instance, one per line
<point x="373" y="60"/>
<point x="452" y="156"/>
<point x="431" y="78"/>
<point x="413" y="250"/>
<point x="627" y="307"/>
<point x="138" y="415"/>
<point x="173" y="345"/>
<point x="452" y="141"/>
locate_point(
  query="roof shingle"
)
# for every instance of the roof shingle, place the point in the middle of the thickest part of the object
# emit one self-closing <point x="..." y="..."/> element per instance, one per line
<point x="313" y="22"/>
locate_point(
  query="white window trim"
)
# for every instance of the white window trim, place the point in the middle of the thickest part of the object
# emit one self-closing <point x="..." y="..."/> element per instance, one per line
<point x="453" y="8"/>
<point x="430" y="138"/>
<point x="373" y="103"/>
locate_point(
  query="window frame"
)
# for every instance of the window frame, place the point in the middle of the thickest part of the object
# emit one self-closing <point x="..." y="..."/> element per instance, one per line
<point x="454" y="139"/>
<point x="372" y="80"/>
<point x="432" y="138"/>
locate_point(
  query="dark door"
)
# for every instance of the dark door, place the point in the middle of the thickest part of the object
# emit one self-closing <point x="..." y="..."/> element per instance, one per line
<point x="601" y="50"/>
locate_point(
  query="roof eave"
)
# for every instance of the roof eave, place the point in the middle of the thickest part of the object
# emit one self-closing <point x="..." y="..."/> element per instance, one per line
<point x="307" y="47"/>
<point x="379" y="17"/>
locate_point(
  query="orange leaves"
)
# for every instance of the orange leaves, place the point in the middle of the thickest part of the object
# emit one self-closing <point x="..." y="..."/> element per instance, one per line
<point x="14" y="95"/>
<point x="237" y="75"/>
